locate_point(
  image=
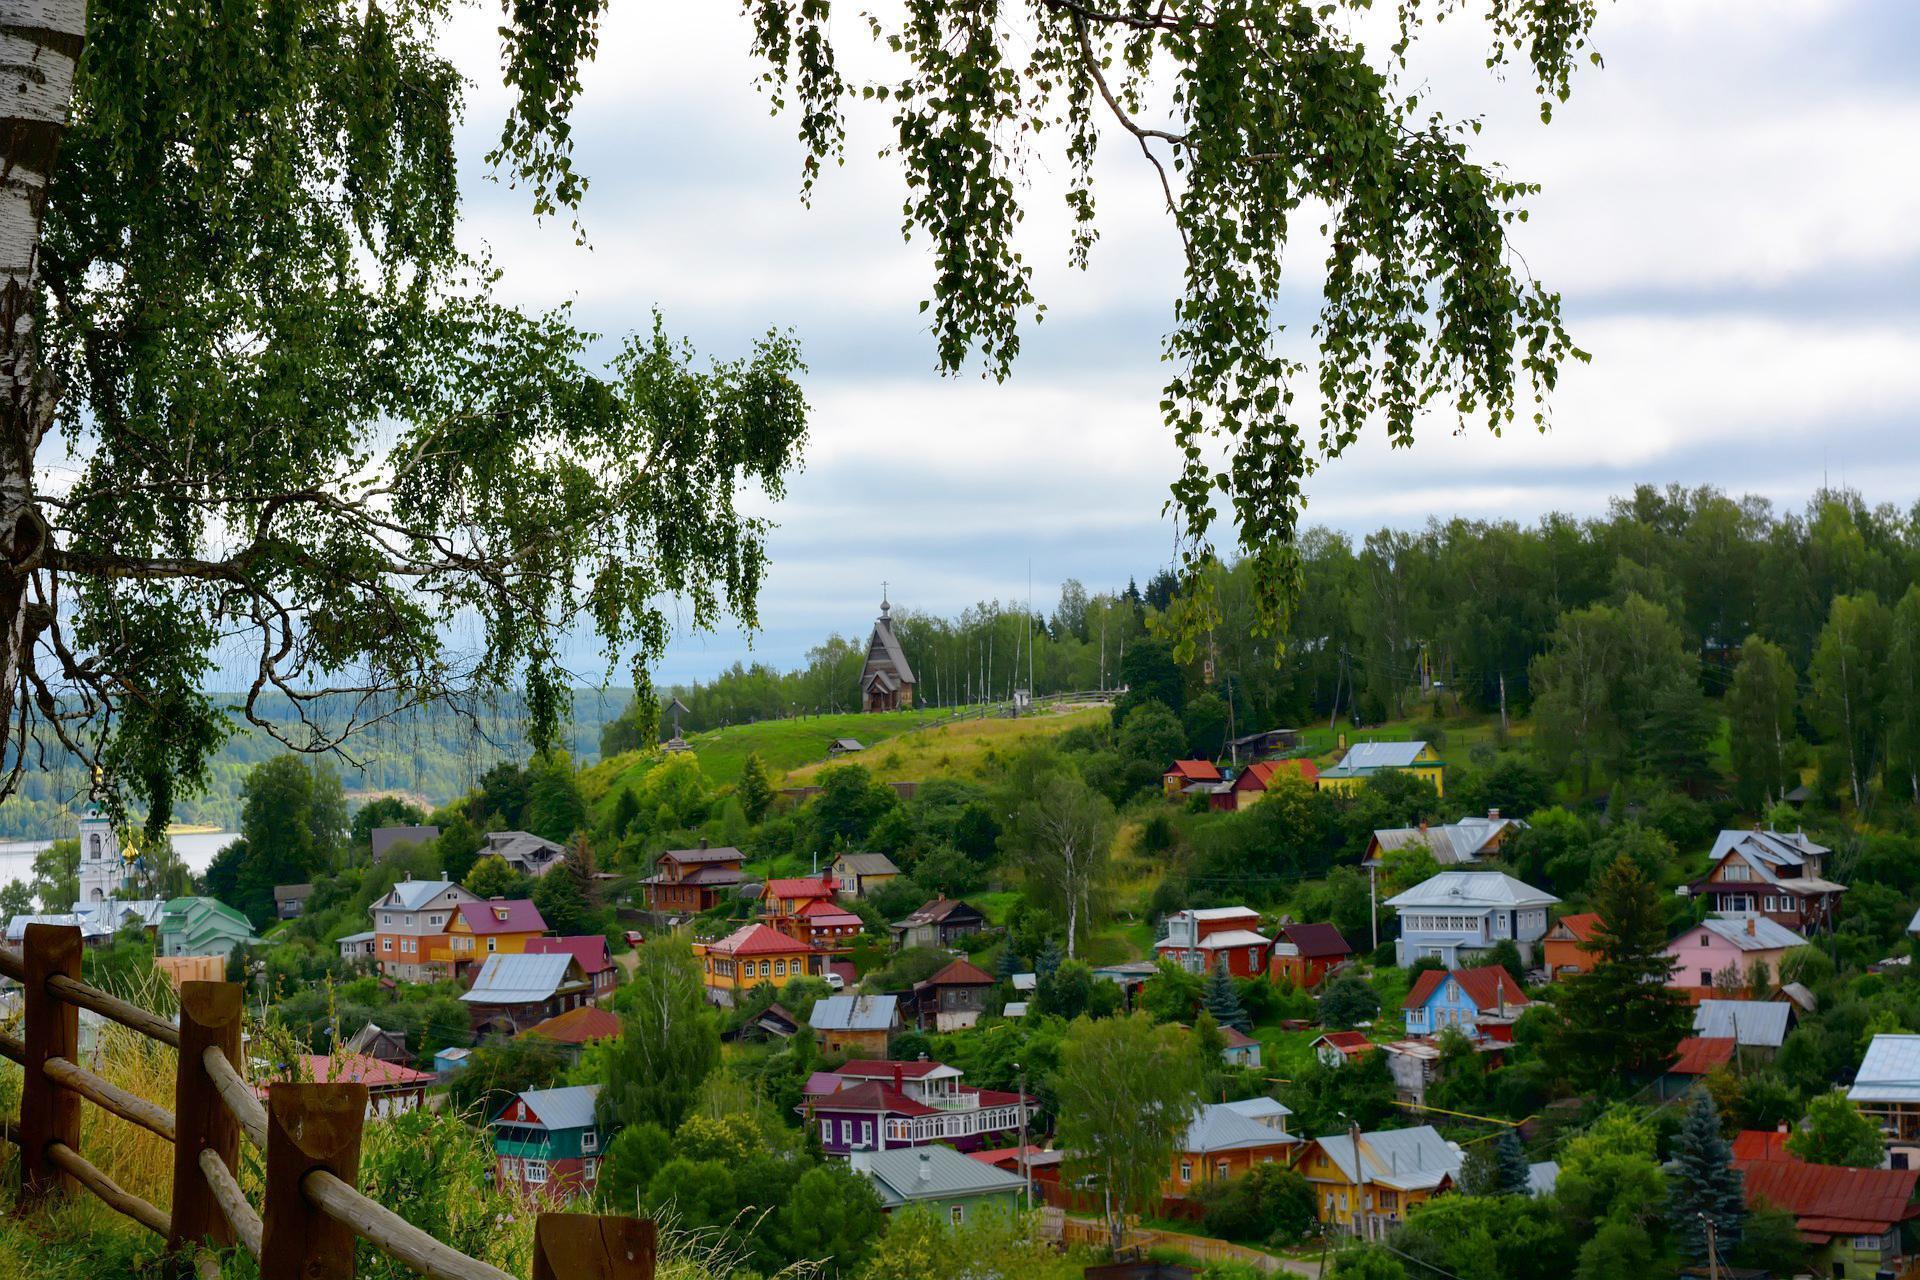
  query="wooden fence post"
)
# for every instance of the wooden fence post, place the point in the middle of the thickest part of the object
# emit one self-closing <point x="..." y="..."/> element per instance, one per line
<point x="309" y="1126"/>
<point x="209" y="1017"/>
<point x="48" y="1113"/>
<point x="579" y="1246"/>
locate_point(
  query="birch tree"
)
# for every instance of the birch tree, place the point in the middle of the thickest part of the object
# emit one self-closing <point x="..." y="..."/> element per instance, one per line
<point x="291" y="421"/>
<point x="1902" y="705"/>
<point x="1760" y="705"/>
<point x="1845" y="699"/>
<point x="1063" y="836"/>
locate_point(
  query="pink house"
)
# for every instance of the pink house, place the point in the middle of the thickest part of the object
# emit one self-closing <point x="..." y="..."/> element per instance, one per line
<point x="1745" y="943"/>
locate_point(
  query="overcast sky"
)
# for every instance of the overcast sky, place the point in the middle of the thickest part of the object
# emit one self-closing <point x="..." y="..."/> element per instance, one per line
<point x="1731" y="209"/>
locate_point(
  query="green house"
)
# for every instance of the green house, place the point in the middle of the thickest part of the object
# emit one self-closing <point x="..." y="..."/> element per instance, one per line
<point x="954" y="1186"/>
<point x="202" y="927"/>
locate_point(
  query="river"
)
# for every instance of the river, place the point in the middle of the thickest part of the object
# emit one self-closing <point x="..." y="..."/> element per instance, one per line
<point x="196" y="849"/>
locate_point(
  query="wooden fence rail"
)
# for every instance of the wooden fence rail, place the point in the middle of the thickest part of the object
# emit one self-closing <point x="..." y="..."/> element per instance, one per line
<point x="308" y="1133"/>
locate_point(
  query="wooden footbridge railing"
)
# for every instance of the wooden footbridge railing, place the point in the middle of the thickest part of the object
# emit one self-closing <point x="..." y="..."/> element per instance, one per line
<point x="310" y="1134"/>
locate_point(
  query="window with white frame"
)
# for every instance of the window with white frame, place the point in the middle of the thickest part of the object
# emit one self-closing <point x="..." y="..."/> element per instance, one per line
<point x="957" y="1214"/>
<point x="386" y="944"/>
<point x="589" y="1141"/>
<point x="1186" y="1171"/>
<point x="536" y="1172"/>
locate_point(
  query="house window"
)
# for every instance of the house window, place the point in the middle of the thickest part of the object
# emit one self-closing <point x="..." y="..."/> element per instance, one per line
<point x="766" y="969"/>
<point x="386" y="919"/>
<point x="1704" y="941"/>
<point x="1186" y="1171"/>
<point x="590" y="1141"/>
<point x="846" y="1132"/>
<point x="957" y="1214"/>
<point x="1706" y="977"/>
<point x="435" y="920"/>
<point x="866" y="1133"/>
<point x="492" y="944"/>
<point x="536" y="1172"/>
<point x="826" y="1131"/>
<point x="386" y="944"/>
<point x="780" y="968"/>
<point x="1221" y="1169"/>
<point x="591" y="1170"/>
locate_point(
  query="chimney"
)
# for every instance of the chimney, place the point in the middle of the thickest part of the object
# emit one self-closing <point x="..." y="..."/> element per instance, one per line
<point x="497" y="898"/>
<point x="703" y="842"/>
<point x="898" y="1078"/>
<point x="1750" y="926"/>
<point x="1423" y="826"/>
<point x="1493" y="815"/>
<point x="926" y="1167"/>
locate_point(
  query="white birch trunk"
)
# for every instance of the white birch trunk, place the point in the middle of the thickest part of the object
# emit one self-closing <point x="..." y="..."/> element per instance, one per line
<point x="40" y="42"/>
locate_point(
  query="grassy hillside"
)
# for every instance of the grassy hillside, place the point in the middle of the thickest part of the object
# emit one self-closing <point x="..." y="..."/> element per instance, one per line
<point x="964" y="750"/>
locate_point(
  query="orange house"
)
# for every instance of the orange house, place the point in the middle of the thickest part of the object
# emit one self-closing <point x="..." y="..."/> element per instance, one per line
<point x="1228" y="1139"/>
<point x="498" y="926"/>
<point x="754" y="955"/>
<point x="1562" y="947"/>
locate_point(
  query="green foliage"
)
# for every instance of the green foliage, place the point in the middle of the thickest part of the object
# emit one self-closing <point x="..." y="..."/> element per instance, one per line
<point x="1346" y="1002"/>
<point x="1485" y="1238"/>
<point x="1610" y="1171"/>
<point x="1151" y="676"/>
<point x="831" y="1214"/>
<point x="1703" y="1186"/>
<point x="1223" y="1000"/>
<point x="1845" y="673"/>
<point x="669" y="1040"/>
<point x="1771" y="1240"/>
<point x="491" y="877"/>
<point x="555" y="807"/>
<point x="849" y="804"/>
<point x="1618" y="1251"/>
<point x="1834" y="1132"/>
<point x="1328" y="1099"/>
<point x="1062" y="836"/>
<point x="1760" y="710"/>
<point x="16" y="899"/>
<point x="992" y="1242"/>
<point x="293" y="824"/>
<point x="1368" y="1262"/>
<point x="753" y="789"/>
<point x="1620" y="1018"/>
<point x="56" y="875"/>
<point x="1172" y="994"/>
<point x="566" y="912"/>
<point x="381" y="811"/>
<point x="497" y="1070"/>
<point x="1125" y="1089"/>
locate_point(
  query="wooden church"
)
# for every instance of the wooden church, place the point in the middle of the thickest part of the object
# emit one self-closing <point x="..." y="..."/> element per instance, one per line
<point x="886" y="682"/>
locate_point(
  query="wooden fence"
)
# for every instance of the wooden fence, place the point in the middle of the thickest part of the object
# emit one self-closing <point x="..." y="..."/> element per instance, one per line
<point x="309" y="1134"/>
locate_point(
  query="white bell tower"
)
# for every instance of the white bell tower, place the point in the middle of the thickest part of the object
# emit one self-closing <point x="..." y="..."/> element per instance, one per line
<point x="101" y="868"/>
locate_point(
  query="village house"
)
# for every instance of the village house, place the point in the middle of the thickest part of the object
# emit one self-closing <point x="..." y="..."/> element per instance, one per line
<point x="952" y="999"/>
<point x="1565" y="947"/>
<point x="1241" y="1050"/>
<point x="783" y="896"/>
<point x="392" y="1089"/>
<point x="1223" y="1141"/>
<point x="1200" y="939"/>
<point x="358" y="946"/>
<point x="1758" y="1027"/>
<point x="590" y="950"/>
<point x="687" y="881"/>
<point x="855" y="875"/>
<point x="858" y="1026"/>
<point x="409" y="916"/>
<point x="1366" y="760"/>
<point x="1451" y="844"/>
<point x="1751" y="947"/>
<point x="940" y="923"/>
<point x="823" y="922"/>
<point x="92" y="934"/>
<point x="877" y="1105"/>
<point x="1304" y="954"/>
<point x="289" y="900"/>
<point x="1184" y="775"/>
<point x="577" y="1028"/>
<point x="385" y="840"/>
<point x="531" y="855"/>
<point x="514" y="992"/>
<point x="1776" y="874"/>
<point x="1482" y="1003"/>
<point x="754" y="955"/>
<point x="1694" y="1059"/>
<point x="1338" y="1048"/>
<point x="476" y="930"/>
<point x="547" y="1143"/>
<point x="939" y="1179"/>
<point x="1886" y="1090"/>
<point x="1459" y="915"/>
<point x="1852" y="1220"/>
<point x="202" y="927"/>
<point x="1251" y="784"/>
<point x="886" y="681"/>
<point x="375" y="1041"/>
<point x="1364" y="1183"/>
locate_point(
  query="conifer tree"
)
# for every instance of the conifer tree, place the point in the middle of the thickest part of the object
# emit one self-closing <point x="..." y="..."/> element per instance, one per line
<point x="1510" y="1165"/>
<point x="1223" y="1002"/>
<point x="1008" y="964"/>
<point x="1048" y="964"/>
<point x="1703" y="1186"/>
<point x="1621" y="1019"/>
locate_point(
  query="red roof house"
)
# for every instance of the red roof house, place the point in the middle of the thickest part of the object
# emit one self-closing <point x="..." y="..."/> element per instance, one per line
<point x="1837" y="1207"/>
<point x="392" y="1089"/>
<point x="1563" y="949"/>
<point x="578" y="1026"/>
<point x="1185" y="773"/>
<point x="1251" y="784"/>
<point x="502" y="915"/>
<point x="1694" y="1057"/>
<point x="590" y="950"/>
<point x="1762" y="1144"/>
<point x="1337" y="1048"/>
<point x="1303" y="954"/>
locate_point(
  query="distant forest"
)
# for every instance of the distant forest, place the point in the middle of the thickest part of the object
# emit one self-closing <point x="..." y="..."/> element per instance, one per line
<point x="1606" y="611"/>
<point x="428" y="751"/>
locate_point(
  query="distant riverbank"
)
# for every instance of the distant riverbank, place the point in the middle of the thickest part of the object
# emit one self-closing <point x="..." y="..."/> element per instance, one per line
<point x="196" y="849"/>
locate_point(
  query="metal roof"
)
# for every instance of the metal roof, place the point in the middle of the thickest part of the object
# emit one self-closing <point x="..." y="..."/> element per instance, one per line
<point x="569" y="1107"/>
<point x="1414" y="1159"/>
<point x="1222" y="1127"/>
<point x="867" y="864"/>
<point x="907" y="1174"/>
<point x="1890" y="1072"/>
<point x="1753" y="933"/>
<point x="411" y="895"/>
<point x="1756" y="1024"/>
<point x="894" y="654"/>
<point x="1259" y="1108"/>
<point x="1476" y="889"/>
<point x="855" y="1013"/>
<point x="1365" y="757"/>
<point x="518" y="979"/>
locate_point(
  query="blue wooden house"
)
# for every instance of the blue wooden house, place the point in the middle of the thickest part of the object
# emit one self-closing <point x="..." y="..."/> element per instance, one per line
<point x="1472" y="1000"/>
<point x="548" y="1143"/>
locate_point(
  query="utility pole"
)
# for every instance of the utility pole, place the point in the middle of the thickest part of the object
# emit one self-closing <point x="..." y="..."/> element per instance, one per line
<point x="1026" y="1167"/>
<point x="1713" y="1254"/>
<point x="1503" y="704"/>
<point x="1373" y="904"/>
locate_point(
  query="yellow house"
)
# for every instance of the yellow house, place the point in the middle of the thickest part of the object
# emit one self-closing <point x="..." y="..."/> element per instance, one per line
<point x="755" y="955"/>
<point x="1365" y="759"/>
<point x="498" y="926"/>
<point x="1364" y="1183"/>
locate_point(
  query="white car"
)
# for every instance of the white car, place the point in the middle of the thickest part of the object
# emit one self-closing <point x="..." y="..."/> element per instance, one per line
<point x="836" y="982"/>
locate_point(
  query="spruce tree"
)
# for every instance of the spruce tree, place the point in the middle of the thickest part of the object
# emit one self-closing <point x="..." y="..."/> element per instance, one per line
<point x="754" y="791"/>
<point x="1008" y="964"/>
<point x="1510" y="1165"/>
<point x="1223" y="1002"/>
<point x="1703" y="1186"/>
<point x="1048" y="964"/>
